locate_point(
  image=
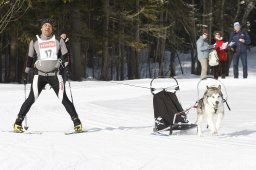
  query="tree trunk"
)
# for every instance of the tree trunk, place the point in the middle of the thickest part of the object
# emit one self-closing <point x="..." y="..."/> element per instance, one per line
<point x="1" y="57"/>
<point x="138" y="40"/>
<point x="172" y="66"/>
<point x="250" y="6"/>
<point x="76" y="42"/>
<point x="210" y="6"/>
<point x="237" y="11"/>
<point x="222" y="17"/>
<point x="130" y="63"/>
<point x="122" y="63"/>
<point x="86" y="45"/>
<point x="13" y="57"/>
<point x="161" y="43"/>
<point x="105" y="57"/>
<point x="134" y="59"/>
<point x="204" y="21"/>
<point x="193" y="44"/>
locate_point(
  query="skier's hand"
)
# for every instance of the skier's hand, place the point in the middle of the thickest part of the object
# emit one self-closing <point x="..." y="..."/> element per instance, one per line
<point x="27" y="69"/>
<point x="66" y="64"/>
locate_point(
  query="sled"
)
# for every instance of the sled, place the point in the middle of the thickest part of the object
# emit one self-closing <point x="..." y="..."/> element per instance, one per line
<point x="168" y="112"/>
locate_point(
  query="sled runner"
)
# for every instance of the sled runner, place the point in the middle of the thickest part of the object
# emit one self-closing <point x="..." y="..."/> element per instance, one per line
<point x="168" y="112"/>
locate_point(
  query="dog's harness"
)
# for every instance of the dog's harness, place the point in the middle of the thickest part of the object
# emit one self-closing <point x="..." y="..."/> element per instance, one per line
<point x="215" y="108"/>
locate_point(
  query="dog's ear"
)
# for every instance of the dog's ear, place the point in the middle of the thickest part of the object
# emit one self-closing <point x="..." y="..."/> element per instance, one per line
<point x="219" y="87"/>
<point x="207" y="87"/>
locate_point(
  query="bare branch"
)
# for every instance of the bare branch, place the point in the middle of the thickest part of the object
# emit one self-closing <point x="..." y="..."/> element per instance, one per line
<point x="11" y="11"/>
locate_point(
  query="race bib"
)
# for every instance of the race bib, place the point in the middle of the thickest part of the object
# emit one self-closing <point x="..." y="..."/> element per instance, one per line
<point x="47" y="48"/>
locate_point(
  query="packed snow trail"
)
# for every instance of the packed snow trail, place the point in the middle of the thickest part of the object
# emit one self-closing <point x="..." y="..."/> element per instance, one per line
<point x="119" y="120"/>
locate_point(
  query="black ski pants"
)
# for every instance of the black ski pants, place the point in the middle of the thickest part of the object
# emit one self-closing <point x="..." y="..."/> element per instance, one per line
<point x="38" y="84"/>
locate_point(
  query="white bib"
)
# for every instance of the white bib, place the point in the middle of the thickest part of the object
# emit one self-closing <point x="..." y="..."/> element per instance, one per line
<point x="47" y="48"/>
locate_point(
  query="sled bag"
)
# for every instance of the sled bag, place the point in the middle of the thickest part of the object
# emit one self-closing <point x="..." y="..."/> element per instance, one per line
<point x="166" y="104"/>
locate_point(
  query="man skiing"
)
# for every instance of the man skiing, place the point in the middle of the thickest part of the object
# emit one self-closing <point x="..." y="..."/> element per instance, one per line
<point x="46" y="48"/>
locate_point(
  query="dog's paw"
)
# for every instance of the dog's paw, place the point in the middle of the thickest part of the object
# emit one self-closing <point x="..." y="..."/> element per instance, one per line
<point x="214" y="133"/>
<point x="199" y="134"/>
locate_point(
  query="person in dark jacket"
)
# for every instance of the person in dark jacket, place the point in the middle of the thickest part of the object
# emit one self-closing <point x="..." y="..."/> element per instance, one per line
<point x="45" y="50"/>
<point x="239" y="42"/>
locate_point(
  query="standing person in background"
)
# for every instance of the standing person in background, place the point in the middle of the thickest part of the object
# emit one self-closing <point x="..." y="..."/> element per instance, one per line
<point x="46" y="48"/>
<point x="203" y="53"/>
<point x="220" y="70"/>
<point x="239" y="42"/>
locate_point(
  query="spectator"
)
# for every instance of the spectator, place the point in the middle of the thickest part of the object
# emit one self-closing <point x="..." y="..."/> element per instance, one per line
<point x="203" y="53"/>
<point x="220" y="70"/>
<point x="239" y="42"/>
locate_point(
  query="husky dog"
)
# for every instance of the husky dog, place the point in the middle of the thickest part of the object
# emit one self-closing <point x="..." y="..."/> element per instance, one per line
<point x="211" y="105"/>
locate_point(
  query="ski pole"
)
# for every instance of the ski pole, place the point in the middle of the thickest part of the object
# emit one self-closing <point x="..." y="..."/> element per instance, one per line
<point x="70" y="89"/>
<point x="180" y="64"/>
<point x="25" y="91"/>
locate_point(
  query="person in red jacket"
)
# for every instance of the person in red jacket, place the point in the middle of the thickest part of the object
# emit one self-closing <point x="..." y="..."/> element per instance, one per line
<point x="221" y="68"/>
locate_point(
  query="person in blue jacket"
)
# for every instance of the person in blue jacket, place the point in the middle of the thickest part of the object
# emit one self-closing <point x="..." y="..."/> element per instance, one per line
<point x="239" y="42"/>
<point x="203" y="49"/>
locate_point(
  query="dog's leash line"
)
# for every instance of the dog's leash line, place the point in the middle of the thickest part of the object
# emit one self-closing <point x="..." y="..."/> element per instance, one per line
<point x="186" y="110"/>
<point x="225" y="101"/>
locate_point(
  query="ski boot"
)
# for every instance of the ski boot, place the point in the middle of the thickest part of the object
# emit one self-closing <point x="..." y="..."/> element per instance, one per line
<point x="77" y="125"/>
<point x="17" y="127"/>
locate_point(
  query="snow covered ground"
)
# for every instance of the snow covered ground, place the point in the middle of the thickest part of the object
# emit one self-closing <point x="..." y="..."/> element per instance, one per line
<point x="119" y="119"/>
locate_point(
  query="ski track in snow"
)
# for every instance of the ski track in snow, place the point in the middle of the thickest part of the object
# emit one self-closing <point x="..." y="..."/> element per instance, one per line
<point x="119" y="120"/>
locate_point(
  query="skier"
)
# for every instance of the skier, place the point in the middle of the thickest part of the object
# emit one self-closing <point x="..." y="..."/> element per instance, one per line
<point x="46" y="48"/>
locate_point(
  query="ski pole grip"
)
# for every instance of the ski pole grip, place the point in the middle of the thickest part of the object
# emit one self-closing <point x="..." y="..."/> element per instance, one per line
<point x="25" y="78"/>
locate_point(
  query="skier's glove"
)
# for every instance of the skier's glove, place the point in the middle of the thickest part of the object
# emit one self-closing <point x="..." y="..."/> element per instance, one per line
<point x="27" y="69"/>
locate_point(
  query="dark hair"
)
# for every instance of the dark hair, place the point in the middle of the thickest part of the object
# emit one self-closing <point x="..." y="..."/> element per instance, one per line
<point x="205" y="31"/>
<point x="215" y="32"/>
<point x="47" y="20"/>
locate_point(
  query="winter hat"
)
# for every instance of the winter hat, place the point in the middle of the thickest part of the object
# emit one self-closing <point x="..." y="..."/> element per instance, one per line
<point x="237" y="24"/>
